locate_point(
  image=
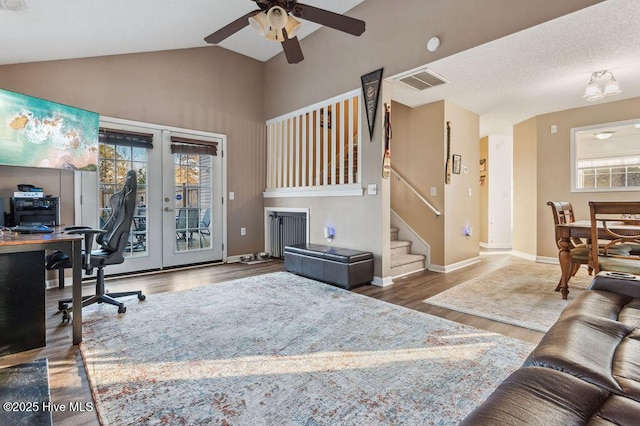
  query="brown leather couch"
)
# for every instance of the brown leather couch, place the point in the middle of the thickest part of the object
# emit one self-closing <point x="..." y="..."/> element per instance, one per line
<point x="585" y="370"/>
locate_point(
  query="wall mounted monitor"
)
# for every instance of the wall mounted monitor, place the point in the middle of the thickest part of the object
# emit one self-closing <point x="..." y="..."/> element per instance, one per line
<point x="38" y="133"/>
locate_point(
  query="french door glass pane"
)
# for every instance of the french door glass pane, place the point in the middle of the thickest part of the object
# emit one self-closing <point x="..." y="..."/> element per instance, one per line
<point x="114" y="163"/>
<point x="193" y="180"/>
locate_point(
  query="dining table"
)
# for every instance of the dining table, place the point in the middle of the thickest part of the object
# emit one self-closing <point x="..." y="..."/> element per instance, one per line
<point x="582" y="229"/>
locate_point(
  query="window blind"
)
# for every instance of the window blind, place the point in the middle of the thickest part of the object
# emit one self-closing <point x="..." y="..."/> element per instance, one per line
<point x="126" y="138"/>
<point x="180" y="145"/>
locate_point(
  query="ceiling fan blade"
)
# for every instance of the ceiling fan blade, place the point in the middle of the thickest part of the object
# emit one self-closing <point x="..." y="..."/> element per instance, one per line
<point x="292" y="49"/>
<point x="329" y="19"/>
<point x="230" y="29"/>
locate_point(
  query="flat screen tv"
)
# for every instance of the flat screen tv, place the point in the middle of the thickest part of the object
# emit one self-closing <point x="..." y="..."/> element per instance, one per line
<point x="38" y="133"/>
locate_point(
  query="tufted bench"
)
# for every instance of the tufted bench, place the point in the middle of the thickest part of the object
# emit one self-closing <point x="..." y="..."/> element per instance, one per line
<point x="345" y="268"/>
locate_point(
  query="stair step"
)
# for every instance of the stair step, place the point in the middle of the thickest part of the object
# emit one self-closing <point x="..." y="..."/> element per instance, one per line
<point x="400" y="247"/>
<point x="403" y="264"/>
<point x="394" y="233"/>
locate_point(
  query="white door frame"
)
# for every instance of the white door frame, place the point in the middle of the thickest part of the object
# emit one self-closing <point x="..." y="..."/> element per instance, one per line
<point x="83" y="192"/>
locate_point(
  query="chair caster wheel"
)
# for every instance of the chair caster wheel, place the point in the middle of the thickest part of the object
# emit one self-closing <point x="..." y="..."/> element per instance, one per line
<point x="66" y="316"/>
<point x="62" y="306"/>
<point x="122" y="309"/>
<point x="141" y="297"/>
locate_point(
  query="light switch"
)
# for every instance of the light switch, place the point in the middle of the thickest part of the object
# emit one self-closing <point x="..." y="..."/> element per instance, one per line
<point x="232" y="195"/>
<point x="469" y="192"/>
<point x="372" y="189"/>
<point x="434" y="191"/>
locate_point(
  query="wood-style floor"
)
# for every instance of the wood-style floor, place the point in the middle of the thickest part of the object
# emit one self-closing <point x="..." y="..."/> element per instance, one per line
<point x="67" y="375"/>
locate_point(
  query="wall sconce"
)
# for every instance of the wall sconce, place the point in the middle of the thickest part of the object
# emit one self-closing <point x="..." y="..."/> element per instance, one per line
<point x="329" y="233"/>
<point x="593" y="91"/>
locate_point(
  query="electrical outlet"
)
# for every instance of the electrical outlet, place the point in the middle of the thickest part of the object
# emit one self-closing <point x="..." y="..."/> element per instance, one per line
<point x="243" y="231"/>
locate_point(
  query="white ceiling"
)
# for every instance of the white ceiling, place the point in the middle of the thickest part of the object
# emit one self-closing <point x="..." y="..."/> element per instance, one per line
<point x="65" y="29"/>
<point x="539" y="70"/>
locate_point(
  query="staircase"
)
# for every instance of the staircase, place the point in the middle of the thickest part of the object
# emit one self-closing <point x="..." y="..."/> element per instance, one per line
<point x="402" y="261"/>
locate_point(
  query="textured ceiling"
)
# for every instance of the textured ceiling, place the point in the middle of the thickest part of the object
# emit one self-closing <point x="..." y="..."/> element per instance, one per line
<point x="538" y="70"/>
<point x="541" y="69"/>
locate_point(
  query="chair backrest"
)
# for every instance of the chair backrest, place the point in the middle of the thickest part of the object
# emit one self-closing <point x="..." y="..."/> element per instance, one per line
<point x="118" y="225"/>
<point x="562" y="214"/>
<point x="617" y="223"/>
<point x="206" y="219"/>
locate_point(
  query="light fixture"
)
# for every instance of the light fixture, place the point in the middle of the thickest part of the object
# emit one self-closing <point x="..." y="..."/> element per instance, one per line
<point x="593" y="92"/>
<point x="270" y="25"/>
<point x="433" y="44"/>
<point x="13" y="5"/>
<point x="604" y="135"/>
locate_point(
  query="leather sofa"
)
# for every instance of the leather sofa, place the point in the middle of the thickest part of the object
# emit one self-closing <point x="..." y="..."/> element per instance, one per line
<point x="585" y="370"/>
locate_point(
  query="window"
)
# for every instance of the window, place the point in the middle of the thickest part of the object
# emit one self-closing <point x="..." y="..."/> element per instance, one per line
<point x="606" y="157"/>
<point x="120" y="152"/>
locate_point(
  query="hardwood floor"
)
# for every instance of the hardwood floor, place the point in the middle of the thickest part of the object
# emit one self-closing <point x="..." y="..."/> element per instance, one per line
<point x="67" y="375"/>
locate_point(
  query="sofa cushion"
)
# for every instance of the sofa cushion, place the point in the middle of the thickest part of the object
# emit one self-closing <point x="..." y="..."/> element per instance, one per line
<point x="539" y="396"/>
<point x="626" y="366"/>
<point x="602" y="304"/>
<point x="583" y="346"/>
<point x="617" y="410"/>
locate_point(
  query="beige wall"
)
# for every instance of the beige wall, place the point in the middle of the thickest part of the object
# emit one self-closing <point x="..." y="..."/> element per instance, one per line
<point x="553" y="164"/>
<point x="525" y="184"/>
<point x="208" y="89"/>
<point x="462" y="198"/>
<point x="417" y="154"/>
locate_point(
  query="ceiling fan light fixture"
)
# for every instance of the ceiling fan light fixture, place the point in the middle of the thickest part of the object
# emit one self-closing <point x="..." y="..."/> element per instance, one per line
<point x="293" y="27"/>
<point x="259" y="23"/>
<point x="277" y="18"/>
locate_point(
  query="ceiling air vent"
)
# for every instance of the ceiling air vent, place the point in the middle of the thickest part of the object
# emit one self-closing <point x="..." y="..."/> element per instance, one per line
<point x="422" y="79"/>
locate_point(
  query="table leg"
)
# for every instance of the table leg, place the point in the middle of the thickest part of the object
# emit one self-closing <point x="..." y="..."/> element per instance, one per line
<point x="564" y="255"/>
<point x="76" y="256"/>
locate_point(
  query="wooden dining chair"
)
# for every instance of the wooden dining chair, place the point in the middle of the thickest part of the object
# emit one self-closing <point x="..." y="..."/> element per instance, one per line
<point x="580" y="252"/>
<point x="615" y="222"/>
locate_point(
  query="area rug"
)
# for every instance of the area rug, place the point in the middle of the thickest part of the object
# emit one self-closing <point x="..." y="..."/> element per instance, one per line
<point x="286" y="350"/>
<point x="522" y="294"/>
<point x="25" y="395"/>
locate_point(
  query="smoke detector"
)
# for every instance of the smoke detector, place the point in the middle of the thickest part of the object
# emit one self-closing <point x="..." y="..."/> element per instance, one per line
<point x="13" y="4"/>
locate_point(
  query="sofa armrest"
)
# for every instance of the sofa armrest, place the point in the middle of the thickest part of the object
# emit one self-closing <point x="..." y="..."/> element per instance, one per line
<point x="625" y="284"/>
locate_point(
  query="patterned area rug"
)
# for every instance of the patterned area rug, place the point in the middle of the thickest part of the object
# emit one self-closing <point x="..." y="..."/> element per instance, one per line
<point x="519" y="294"/>
<point x="282" y="349"/>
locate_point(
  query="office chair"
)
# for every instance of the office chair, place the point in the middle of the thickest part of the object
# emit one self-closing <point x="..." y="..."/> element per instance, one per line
<point x="113" y="239"/>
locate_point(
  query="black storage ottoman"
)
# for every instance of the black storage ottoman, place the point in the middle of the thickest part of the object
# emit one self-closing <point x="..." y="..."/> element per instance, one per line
<point x="345" y="268"/>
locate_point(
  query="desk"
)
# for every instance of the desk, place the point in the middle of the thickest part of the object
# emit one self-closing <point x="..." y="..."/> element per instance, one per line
<point x="68" y="243"/>
<point x="582" y="229"/>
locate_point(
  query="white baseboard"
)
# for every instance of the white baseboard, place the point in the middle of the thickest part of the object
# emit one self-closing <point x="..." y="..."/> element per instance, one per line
<point x="236" y="259"/>
<point x="382" y="282"/>
<point x="546" y="259"/>
<point x="523" y="255"/>
<point x="498" y="246"/>
<point x="454" y="266"/>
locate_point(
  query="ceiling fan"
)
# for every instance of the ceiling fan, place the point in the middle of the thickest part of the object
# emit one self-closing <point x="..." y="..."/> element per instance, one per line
<point x="276" y="21"/>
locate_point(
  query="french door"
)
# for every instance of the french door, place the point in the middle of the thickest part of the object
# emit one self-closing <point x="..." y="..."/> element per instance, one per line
<point x="179" y="214"/>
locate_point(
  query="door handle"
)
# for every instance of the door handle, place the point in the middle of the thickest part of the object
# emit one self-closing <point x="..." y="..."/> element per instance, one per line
<point x="167" y="209"/>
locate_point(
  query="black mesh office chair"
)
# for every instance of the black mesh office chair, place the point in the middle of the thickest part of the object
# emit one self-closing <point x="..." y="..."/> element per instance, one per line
<point x="113" y="239"/>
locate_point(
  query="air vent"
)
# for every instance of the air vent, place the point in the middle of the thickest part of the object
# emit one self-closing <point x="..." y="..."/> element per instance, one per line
<point x="422" y="79"/>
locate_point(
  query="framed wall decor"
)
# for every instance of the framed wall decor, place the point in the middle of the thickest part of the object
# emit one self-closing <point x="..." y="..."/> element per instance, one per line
<point x="457" y="160"/>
